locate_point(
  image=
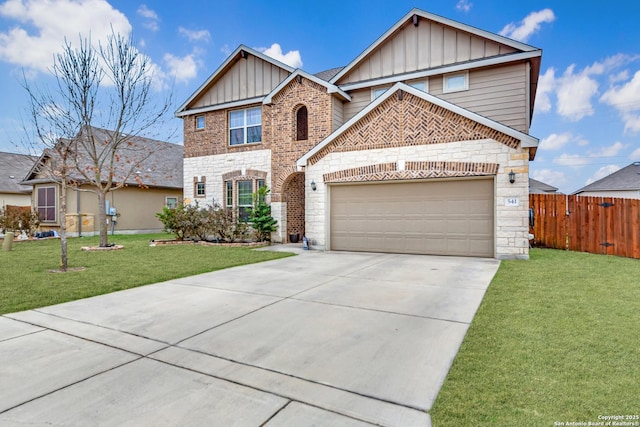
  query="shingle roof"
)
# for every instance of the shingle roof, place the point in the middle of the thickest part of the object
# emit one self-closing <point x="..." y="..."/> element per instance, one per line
<point x="328" y="74"/>
<point x="627" y="178"/>
<point x="538" y="187"/>
<point x="13" y="169"/>
<point x="155" y="163"/>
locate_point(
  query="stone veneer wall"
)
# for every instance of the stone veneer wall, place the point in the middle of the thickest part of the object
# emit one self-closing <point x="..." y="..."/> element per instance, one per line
<point x="214" y="166"/>
<point x="511" y="232"/>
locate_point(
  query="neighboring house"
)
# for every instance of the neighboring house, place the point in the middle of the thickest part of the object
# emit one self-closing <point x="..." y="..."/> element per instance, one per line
<point x="408" y="148"/>
<point x="13" y="168"/>
<point x="155" y="182"/>
<point x="623" y="183"/>
<point x="538" y="187"/>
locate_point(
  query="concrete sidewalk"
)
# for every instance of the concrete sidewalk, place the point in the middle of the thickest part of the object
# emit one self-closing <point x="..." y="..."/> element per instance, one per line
<point x="323" y="338"/>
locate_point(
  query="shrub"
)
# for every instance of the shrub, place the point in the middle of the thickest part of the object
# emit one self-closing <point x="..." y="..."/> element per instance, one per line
<point x="197" y="223"/>
<point x="260" y="216"/>
<point x="19" y="219"/>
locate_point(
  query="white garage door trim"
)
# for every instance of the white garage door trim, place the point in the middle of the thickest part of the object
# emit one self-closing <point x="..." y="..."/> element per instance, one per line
<point x="438" y="217"/>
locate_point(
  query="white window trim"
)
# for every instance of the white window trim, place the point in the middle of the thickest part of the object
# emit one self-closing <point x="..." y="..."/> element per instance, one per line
<point x="244" y="127"/>
<point x="426" y="84"/>
<point x="203" y="122"/>
<point x="383" y="89"/>
<point x="445" y="77"/>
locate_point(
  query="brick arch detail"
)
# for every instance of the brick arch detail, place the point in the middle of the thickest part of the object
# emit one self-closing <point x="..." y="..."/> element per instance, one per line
<point x="277" y="185"/>
<point x="412" y="170"/>
<point x="248" y="174"/>
<point x="409" y="121"/>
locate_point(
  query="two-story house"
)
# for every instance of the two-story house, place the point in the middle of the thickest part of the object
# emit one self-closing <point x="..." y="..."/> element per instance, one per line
<point x="419" y="145"/>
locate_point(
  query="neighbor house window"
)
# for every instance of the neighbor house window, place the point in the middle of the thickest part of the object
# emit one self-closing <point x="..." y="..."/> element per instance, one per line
<point x="46" y="204"/>
<point x="200" y="186"/>
<point x="455" y="82"/>
<point x="302" y="127"/>
<point x="199" y="122"/>
<point x="171" y="202"/>
<point x="245" y="202"/>
<point x="245" y="126"/>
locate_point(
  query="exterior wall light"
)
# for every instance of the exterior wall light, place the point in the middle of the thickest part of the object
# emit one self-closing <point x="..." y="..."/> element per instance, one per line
<point x="313" y="185"/>
<point x="512" y="177"/>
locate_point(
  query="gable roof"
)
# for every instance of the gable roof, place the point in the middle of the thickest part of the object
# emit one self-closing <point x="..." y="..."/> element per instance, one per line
<point x="539" y="187"/>
<point x="627" y="178"/>
<point x="331" y="88"/>
<point x="525" y="140"/>
<point x="13" y="168"/>
<point x="161" y="168"/>
<point x="522" y="47"/>
<point x="240" y="52"/>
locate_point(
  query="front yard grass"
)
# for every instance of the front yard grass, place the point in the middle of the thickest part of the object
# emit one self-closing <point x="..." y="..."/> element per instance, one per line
<point x="555" y="340"/>
<point x="25" y="282"/>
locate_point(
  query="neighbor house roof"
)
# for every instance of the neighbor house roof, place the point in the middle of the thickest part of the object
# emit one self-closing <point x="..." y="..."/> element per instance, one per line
<point x="155" y="163"/>
<point x="525" y="140"/>
<point x="627" y="178"/>
<point x="13" y="168"/>
<point x="538" y="187"/>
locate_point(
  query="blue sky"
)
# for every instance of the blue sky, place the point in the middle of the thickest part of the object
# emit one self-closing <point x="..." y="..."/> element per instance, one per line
<point x="587" y="114"/>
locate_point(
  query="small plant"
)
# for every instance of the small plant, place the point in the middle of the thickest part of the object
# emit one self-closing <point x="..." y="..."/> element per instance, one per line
<point x="260" y="216"/>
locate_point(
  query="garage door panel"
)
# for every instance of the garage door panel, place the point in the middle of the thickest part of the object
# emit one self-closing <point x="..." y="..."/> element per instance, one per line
<point x="435" y="217"/>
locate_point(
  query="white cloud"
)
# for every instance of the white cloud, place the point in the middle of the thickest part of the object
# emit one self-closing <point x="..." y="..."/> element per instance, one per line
<point x="551" y="177"/>
<point x="44" y="25"/>
<point x="556" y="141"/>
<point x="635" y="156"/>
<point x="192" y="35"/>
<point x="572" y="160"/>
<point x="626" y="99"/>
<point x="226" y="50"/>
<point x="546" y="84"/>
<point x="574" y="94"/>
<point x="183" y="69"/>
<point x="619" y="77"/>
<point x="602" y="172"/>
<point x="528" y="26"/>
<point x="152" y="19"/>
<point x="291" y="58"/>
<point x="609" y="151"/>
<point x="464" y="6"/>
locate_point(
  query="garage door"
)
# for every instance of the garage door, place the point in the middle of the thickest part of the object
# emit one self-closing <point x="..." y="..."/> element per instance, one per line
<point x="435" y="217"/>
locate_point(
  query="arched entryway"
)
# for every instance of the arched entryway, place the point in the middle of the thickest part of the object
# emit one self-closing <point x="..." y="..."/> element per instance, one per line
<point x="293" y="192"/>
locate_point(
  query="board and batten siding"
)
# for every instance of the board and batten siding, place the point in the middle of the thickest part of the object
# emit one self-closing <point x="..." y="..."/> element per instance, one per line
<point x="498" y="93"/>
<point x="428" y="45"/>
<point x="247" y="78"/>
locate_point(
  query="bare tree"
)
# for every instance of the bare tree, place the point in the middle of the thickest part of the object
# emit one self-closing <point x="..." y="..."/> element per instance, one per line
<point x="104" y="96"/>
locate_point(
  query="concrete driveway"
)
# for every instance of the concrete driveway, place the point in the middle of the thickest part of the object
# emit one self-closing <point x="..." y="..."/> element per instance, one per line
<point x="323" y="338"/>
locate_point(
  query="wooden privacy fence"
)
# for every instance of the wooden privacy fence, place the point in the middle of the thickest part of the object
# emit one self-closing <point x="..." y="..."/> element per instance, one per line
<point x="600" y="225"/>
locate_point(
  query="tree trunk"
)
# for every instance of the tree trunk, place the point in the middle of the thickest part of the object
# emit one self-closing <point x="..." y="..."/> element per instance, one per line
<point x="102" y="218"/>
<point x="63" y="226"/>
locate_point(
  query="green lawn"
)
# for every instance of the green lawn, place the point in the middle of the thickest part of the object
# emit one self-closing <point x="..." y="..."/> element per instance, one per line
<point x="26" y="283"/>
<point x="556" y="339"/>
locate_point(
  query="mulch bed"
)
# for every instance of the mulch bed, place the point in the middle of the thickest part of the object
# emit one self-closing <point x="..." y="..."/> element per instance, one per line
<point x="205" y="243"/>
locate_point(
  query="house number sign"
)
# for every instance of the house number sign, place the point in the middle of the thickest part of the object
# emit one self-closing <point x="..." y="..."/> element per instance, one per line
<point x="512" y="201"/>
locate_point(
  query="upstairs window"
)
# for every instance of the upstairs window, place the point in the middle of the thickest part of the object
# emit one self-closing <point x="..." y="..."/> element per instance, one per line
<point x="455" y="82"/>
<point x="302" y="124"/>
<point x="199" y="122"/>
<point x="245" y="126"/>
